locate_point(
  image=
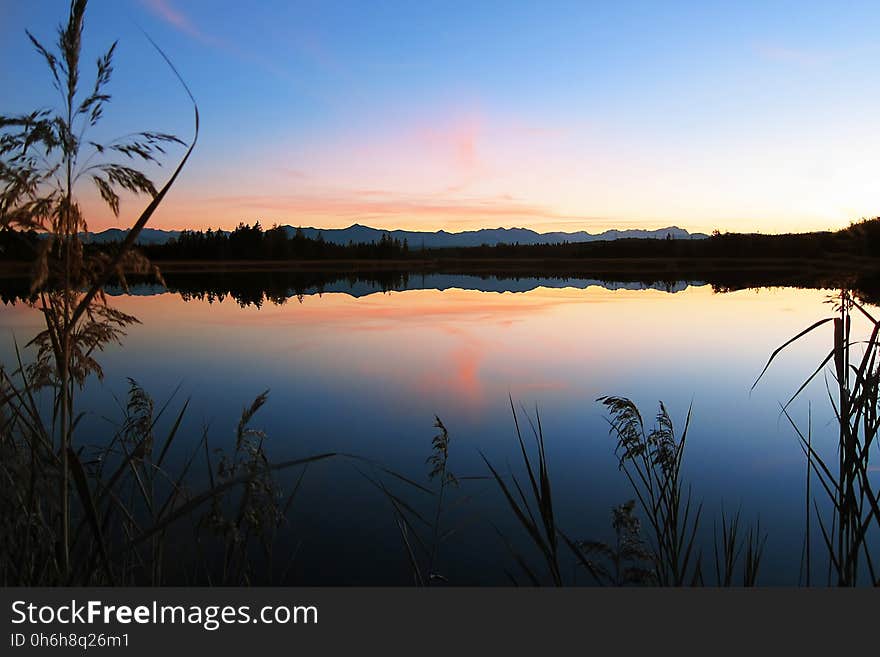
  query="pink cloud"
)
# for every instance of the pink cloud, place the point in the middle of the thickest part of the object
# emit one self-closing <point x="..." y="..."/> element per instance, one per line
<point x="458" y="141"/>
<point x="349" y="206"/>
<point x="459" y="374"/>
<point x="176" y="18"/>
<point x="296" y="174"/>
<point x="377" y="207"/>
<point x="173" y="16"/>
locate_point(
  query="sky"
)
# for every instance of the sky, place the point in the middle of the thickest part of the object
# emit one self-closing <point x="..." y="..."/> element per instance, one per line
<point x="747" y="116"/>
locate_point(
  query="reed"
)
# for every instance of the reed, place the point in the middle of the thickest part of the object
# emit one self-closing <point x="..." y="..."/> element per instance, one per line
<point x="628" y="561"/>
<point x="46" y="156"/>
<point x="540" y="524"/>
<point x="732" y="549"/>
<point x="129" y="512"/>
<point x="651" y="461"/>
<point x="851" y="528"/>
<point x="75" y="513"/>
<point x="426" y="522"/>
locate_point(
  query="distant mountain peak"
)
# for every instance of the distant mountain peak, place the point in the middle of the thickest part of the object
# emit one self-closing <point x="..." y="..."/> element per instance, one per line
<point x="482" y="236"/>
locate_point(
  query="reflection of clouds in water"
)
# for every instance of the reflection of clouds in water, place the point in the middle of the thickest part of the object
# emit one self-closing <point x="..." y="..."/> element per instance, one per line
<point x="457" y="375"/>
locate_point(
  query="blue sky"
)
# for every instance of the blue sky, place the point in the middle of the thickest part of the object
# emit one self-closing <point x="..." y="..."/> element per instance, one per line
<point x="551" y="115"/>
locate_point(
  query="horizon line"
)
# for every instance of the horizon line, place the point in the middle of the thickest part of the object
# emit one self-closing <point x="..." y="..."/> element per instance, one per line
<point x="407" y="230"/>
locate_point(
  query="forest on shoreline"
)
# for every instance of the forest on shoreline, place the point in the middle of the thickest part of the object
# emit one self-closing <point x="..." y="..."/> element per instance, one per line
<point x="269" y="260"/>
<point x="858" y="242"/>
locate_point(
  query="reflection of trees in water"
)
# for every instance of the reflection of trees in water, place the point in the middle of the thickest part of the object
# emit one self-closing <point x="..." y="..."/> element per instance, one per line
<point x="256" y="288"/>
<point x="245" y="288"/>
<point x="16" y="290"/>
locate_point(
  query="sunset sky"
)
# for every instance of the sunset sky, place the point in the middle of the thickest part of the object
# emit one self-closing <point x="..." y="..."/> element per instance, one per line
<point x="460" y="115"/>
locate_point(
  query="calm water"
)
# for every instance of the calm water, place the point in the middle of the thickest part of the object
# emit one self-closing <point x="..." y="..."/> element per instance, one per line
<point x="359" y="370"/>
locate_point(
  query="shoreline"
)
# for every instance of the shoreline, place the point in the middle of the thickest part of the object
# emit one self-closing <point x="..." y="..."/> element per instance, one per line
<point x="572" y="266"/>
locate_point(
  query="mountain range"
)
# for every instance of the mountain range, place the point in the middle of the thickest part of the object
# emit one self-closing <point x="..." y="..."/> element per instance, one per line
<point x="416" y="239"/>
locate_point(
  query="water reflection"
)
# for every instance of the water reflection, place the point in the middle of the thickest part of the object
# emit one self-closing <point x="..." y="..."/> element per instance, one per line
<point x="256" y="288"/>
<point x="354" y="369"/>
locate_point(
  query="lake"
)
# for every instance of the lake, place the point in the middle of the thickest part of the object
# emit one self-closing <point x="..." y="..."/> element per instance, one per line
<point x="363" y="367"/>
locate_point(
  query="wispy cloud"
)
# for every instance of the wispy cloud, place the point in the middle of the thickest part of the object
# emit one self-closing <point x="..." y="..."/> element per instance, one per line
<point x="385" y="207"/>
<point x="457" y="140"/>
<point x="166" y="11"/>
<point x="380" y="208"/>
<point x="173" y="16"/>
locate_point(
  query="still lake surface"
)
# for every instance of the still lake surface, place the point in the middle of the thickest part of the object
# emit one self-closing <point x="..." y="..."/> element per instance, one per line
<point x="359" y="369"/>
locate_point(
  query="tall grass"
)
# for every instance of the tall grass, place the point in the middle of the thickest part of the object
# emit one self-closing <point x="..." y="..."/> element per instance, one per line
<point x="133" y="520"/>
<point x="851" y="529"/>
<point x="628" y="559"/>
<point x="74" y="513"/>
<point x="651" y="460"/>
<point x="46" y="156"/>
<point x="532" y="505"/>
<point x="425" y="524"/>
<point x="735" y="553"/>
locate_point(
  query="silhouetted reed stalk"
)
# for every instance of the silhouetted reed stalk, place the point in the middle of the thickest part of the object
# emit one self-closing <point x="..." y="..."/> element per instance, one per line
<point x="129" y="508"/>
<point x="733" y="548"/>
<point x="541" y="525"/>
<point x="439" y="462"/>
<point x="628" y="559"/>
<point x="43" y="161"/>
<point x="855" y="518"/>
<point x="423" y="533"/>
<point x="67" y="517"/>
<point x="651" y="462"/>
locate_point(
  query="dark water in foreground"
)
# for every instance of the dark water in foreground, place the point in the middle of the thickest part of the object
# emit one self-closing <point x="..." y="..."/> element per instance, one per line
<point x="364" y="371"/>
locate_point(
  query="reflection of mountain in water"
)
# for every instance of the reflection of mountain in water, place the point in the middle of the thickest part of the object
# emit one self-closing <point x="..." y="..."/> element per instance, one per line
<point x="255" y="288"/>
<point x="441" y="282"/>
<point x="277" y="286"/>
<point x="358" y="286"/>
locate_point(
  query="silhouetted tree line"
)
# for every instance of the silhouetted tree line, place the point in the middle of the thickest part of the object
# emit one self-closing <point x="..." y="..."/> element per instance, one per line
<point x="248" y="242"/>
<point x="18" y="245"/>
<point x="251" y="242"/>
<point x="859" y="239"/>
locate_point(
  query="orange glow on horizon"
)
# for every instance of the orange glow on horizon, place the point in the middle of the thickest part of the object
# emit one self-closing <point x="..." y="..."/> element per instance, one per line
<point x="467" y="170"/>
<point x="227" y="212"/>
